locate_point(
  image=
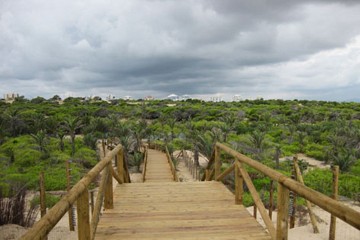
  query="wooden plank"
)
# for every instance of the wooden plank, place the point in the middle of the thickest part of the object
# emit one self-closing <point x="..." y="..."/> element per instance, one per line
<point x="177" y="210"/>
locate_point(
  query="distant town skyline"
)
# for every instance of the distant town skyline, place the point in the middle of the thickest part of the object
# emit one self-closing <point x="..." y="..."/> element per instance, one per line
<point x="205" y="49"/>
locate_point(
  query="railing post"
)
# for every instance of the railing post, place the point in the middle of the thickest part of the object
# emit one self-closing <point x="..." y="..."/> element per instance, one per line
<point x="271" y="198"/>
<point x="335" y="186"/>
<point x="42" y="198"/>
<point x="239" y="183"/>
<point x="83" y="216"/>
<point x="120" y="164"/>
<point x="70" y="211"/>
<point x="108" y="200"/>
<point x="283" y="209"/>
<point x="217" y="162"/>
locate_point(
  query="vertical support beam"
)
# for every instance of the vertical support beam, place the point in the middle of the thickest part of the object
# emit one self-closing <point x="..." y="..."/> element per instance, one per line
<point x="282" y="217"/>
<point x="120" y="164"/>
<point x="308" y="204"/>
<point x="108" y="200"/>
<point x="70" y="212"/>
<point x="42" y="197"/>
<point x="83" y="216"/>
<point x="255" y="211"/>
<point x="271" y="198"/>
<point x="239" y="183"/>
<point x="92" y="201"/>
<point x="292" y="206"/>
<point x="217" y="162"/>
<point x="335" y="187"/>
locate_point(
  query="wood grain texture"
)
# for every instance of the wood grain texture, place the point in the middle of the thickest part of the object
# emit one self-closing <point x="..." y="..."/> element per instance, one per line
<point x="177" y="210"/>
<point x="157" y="167"/>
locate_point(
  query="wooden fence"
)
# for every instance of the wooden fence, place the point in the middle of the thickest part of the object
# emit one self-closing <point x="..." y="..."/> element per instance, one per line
<point x="79" y="194"/>
<point x="285" y="185"/>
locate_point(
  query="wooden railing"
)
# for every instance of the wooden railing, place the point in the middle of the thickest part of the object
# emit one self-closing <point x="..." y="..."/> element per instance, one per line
<point x="285" y="185"/>
<point x="79" y="194"/>
<point x="172" y="166"/>
<point x="145" y="164"/>
<point x="171" y="163"/>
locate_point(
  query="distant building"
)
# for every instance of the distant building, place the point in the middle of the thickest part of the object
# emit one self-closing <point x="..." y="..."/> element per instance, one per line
<point x="216" y="99"/>
<point x="237" y="98"/>
<point x="149" y="98"/>
<point x="127" y="98"/>
<point x="185" y="97"/>
<point x="173" y="97"/>
<point x="10" y="97"/>
<point x="110" y="97"/>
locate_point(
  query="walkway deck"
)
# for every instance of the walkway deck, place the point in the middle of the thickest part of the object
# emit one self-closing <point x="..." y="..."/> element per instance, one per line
<point x="158" y="168"/>
<point x="176" y="210"/>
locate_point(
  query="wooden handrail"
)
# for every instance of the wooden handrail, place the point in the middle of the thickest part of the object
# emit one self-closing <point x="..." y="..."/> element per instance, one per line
<point x="145" y="163"/>
<point x="172" y="166"/>
<point x="330" y="205"/>
<point x="45" y="224"/>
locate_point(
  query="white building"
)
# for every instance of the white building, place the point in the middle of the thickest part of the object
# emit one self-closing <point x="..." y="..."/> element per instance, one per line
<point x="237" y="98"/>
<point x="173" y="97"/>
<point x="10" y="97"/>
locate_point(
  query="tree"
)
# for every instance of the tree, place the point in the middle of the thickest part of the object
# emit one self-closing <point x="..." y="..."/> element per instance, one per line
<point x="71" y="125"/>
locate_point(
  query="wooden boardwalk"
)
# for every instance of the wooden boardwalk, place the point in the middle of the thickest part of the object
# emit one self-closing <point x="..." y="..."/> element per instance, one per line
<point x="176" y="210"/>
<point x="158" y="168"/>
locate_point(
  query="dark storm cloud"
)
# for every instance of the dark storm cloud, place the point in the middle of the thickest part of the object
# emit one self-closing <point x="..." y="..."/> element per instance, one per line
<point x="201" y="48"/>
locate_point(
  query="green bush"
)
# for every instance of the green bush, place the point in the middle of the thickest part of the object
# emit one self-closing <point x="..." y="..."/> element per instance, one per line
<point x="50" y="200"/>
<point x="315" y="150"/>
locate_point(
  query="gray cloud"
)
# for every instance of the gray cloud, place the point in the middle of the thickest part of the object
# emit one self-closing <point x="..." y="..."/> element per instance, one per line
<point x="273" y="49"/>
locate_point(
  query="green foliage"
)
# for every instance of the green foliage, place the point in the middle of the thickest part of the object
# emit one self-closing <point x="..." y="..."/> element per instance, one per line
<point x="315" y="150"/>
<point x="50" y="200"/>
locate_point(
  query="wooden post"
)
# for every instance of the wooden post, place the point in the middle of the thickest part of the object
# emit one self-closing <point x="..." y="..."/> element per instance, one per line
<point x="82" y="205"/>
<point x="108" y="200"/>
<point x="308" y="204"/>
<point x="70" y="212"/>
<point x="239" y="183"/>
<point x="335" y="186"/>
<point x="120" y="164"/>
<point x="42" y="197"/>
<point x="103" y="146"/>
<point x="282" y="217"/>
<point x="255" y="211"/>
<point x="217" y="162"/>
<point x="271" y="198"/>
<point x="292" y="209"/>
<point x="92" y="201"/>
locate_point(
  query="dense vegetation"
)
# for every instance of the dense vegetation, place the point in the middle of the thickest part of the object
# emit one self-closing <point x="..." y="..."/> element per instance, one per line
<point x="40" y="134"/>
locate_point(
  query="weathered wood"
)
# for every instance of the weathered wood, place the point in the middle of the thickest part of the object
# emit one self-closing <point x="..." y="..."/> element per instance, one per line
<point x="271" y="198"/>
<point x="335" y="187"/>
<point x="82" y="207"/>
<point x="177" y="210"/>
<point x="42" y="194"/>
<point x="92" y="203"/>
<point x="330" y="205"/>
<point x="225" y="173"/>
<point x="98" y="203"/>
<point x="108" y="197"/>
<point x="42" y="197"/>
<point x="45" y="224"/>
<point x="257" y="200"/>
<point x="172" y="166"/>
<point x="292" y="200"/>
<point x="217" y="163"/>
<point x="144" y="165"/>
<point x="239" y="185"/>
<point x="282" y="216"/>
<point x="116" y="176"/>
<point x="120" y="165"/>
<point x="308" y="204"/>
<point x="68" y="187"/>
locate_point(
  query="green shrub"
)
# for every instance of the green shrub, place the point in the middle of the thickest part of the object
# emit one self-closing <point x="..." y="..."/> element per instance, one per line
<point x="315" y="150"/>
<point x="50" y="200"/>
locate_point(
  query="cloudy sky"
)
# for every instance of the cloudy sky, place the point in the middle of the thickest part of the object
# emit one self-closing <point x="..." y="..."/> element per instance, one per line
<point x="262" y="48"/>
